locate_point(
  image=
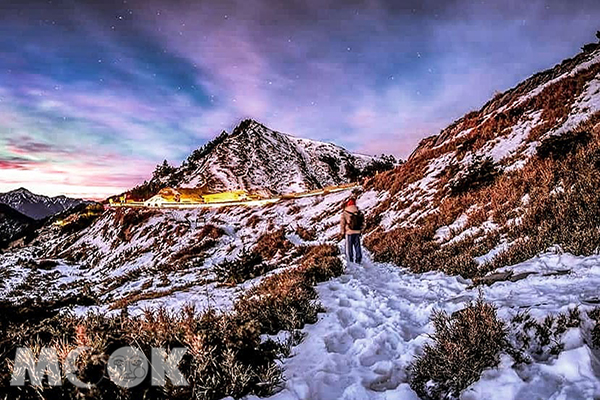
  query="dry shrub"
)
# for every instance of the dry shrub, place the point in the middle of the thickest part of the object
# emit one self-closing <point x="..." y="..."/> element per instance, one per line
<point x="569" y="217"/>
<point x="295" y="209"/>
<point x="557" y="100"/>
<point x="246" y="265"/>
<point x="210" y="231"/>
<point x="595" y="333"/>
<point x="558" y="147"/>
<point x="286" y="300"/>
<point x="196" y="253"/>
<point x="306" y="234"/>
<point x="253" y="221"/>
<point x="464" y="345"/>
<point x="403" y="175"/>
<point x="270" y="244"/>
<point x="321" y="263"/>
<point x="140" y="295"/>
<point x="127" y="219"/>
<point x="283" y="301"/>
<point x="415" y="248"/>
<point x="481" y="172"/>
<point x="225" y="354"/>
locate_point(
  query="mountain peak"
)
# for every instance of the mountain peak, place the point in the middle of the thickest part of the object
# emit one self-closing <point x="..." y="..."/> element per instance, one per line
<point x="245" y="125"/>
<point x="254" y="157"/>
<point x="21" y="190"/>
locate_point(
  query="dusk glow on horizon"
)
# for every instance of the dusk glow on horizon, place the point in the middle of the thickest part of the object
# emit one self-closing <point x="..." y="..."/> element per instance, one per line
<point x="95" y="94"/>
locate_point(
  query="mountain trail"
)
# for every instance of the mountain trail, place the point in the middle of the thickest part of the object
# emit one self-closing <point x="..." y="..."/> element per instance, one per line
<point x="361" y="347"/>
<point x="378" y="318"/>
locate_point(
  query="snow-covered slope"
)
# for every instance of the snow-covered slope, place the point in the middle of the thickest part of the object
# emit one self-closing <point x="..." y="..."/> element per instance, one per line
<point x="256" y="157"/>
<point x="37" y="206"/>
<point x="487" y="170"/>
<point x="148" y="258"/>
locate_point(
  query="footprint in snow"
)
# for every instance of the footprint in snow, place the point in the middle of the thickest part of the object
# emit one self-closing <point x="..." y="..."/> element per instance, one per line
<point x="346" y="317"/>
<point x="357" y="331"/>
<point x="343" y="302"/>
<point x="338" y="343"/>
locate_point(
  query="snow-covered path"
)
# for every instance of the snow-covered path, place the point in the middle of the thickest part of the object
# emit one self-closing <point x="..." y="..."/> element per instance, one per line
<point x="378" y="317"/>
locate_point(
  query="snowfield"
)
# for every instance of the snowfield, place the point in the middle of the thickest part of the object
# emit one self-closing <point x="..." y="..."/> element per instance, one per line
<point x="377" y="320"/>
<point x="114" y="269"/>
<point x="377" y="315"/>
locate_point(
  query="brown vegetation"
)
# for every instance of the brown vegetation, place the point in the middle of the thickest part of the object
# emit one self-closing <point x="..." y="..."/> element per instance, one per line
<point x="126" y="219"/>
<point x="247" y="265"/>
<point x="225" y="354"/>
<point x="253" y="221"/>
<point x="471" y="340"/>
<point x="465" y="344"/>
<point x="306" y="234"/>
<point x="272" y="243"/>
<point x="533" y="340"/>
<point x="563" y="208"/>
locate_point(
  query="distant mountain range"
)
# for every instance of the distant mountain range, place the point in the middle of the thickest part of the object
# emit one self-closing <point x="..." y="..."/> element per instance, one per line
<point x="37" y="206"/>
<point x="254" y="157"/>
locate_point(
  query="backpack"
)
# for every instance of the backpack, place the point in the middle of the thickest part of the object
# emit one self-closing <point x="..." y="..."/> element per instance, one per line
<point x="357" y="221"/>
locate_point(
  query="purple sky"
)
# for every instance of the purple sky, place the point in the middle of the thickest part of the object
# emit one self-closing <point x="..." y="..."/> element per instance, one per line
<point x="94" y="94"/>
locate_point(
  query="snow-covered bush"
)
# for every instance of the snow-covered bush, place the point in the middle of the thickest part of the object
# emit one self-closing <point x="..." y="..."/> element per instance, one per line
<point x="464" y="345"/>
<point x="595" y="333"/>
<point x="306" y="234"/>
<point x="534" y="340"/>
<point x="127" y="219"/>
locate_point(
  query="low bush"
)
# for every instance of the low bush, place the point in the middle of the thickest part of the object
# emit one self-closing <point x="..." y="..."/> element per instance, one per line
<point x="225" y="353"/>
<point x="306" y="234"/>
<point x="210" y="231"/>
<point x="321" y="263"/>
<point x="533" y="340"/>
<point x="283" y="301"/>
<point x="481" y="172"/>
<point x="128" y="218"/>
<point x="253" y="221"/>
<point x="563" y="208"/>
<point x="558" y="147"/>
<point x="272" y="243"/>
<point x="595" y="333"/>
<point x="195" y="253"/>
<point x="246" y="265"/>
<point x="464" y="345"/>
<point x="417" y="249"/>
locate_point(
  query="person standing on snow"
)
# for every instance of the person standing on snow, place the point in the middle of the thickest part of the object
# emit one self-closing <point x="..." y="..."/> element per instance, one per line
<point x="351" y="225"/>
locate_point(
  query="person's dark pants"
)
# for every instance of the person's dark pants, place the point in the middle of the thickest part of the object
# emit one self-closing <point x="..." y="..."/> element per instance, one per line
<point x="353" y="248"/>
